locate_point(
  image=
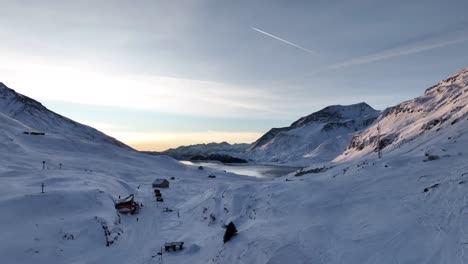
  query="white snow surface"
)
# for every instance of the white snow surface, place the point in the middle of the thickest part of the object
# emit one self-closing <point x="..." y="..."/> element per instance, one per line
<point x="402" y="208"/>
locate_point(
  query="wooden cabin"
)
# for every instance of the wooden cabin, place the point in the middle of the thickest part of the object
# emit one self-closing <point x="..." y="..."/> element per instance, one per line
<point x="127" y="205"/>
<point x="161" y="183"/>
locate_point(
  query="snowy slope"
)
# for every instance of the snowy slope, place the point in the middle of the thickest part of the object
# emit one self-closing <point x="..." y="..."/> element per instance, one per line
<point x="40" y="119"/>
<point x="403" y="208"/>
<point x="318" y="137"/>
<point x="85" y="171"/>
<point x="436" y="116"/>
<point x="64" y="225"/>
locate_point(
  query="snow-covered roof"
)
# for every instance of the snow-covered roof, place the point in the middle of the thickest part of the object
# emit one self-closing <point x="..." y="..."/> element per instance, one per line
<point x="125" y="200"/>
<point x="159" y="181"/>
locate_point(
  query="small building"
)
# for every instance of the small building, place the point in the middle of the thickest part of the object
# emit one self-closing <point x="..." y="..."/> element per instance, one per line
<point x="174" y="246"/>
<point x="161" y="183"/>
<point x="127" y="205"/>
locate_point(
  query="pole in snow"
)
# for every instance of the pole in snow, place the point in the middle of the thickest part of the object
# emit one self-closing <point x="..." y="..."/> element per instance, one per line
<point x="42" y="187"/>
<point x="43" y="164"/>
<point x="160" y="254"/>
<point x="379" y="145"/>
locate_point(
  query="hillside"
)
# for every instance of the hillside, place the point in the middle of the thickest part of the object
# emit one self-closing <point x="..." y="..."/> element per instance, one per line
<point x="436" y="117"/>
<point x="318" y="137"/>
<point x="38" y="118"/>
<point x="84" y="172"/>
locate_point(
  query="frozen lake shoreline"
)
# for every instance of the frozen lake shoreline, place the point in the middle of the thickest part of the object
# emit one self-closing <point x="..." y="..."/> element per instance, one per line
<point x="266" y="172"/>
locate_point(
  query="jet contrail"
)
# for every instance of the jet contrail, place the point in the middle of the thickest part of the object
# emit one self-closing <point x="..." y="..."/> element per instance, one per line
<point x="285" y="41"/>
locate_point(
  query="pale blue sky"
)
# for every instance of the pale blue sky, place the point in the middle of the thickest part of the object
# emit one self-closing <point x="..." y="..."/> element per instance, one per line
<point x="158" y="74"/>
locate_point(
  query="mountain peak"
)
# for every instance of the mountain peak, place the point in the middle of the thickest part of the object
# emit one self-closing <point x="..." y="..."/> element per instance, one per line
<point x="320" y="136"/>
<point x="337" y="113"/>
<point x="4" y="88"/>
<point x="14" y="103"/>
<point x="36" y="116"/>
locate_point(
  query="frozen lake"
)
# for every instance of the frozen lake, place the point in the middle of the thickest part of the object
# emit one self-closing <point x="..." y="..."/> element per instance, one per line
<point x="254" y="170"/>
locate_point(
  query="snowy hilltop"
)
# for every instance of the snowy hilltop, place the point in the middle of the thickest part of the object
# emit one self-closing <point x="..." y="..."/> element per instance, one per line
<point x="38" y="118"/>
<point x="318" y="137"/>
<point x="409" y="206"/>
<point x="205" y="150"/>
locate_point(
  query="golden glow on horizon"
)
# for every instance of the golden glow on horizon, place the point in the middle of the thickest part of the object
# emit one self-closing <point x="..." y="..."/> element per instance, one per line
<point x="159" y="141"/>
<point x="82" y="85"/>
<point x="163" y="141"/>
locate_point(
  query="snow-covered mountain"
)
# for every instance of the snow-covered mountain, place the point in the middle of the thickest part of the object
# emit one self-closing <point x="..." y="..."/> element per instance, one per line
<point x="318" y="137"/>
<point x="223" y="148"/>
<point x="38" y="118"/>
<point x="410" y="206"/>
<point x="424" y="122"/>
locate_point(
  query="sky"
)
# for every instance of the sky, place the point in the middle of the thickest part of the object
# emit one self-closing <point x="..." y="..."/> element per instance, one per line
<point x="159" y="74"/>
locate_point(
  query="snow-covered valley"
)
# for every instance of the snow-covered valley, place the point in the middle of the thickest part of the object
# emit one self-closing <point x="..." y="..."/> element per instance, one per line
<point x="318" y="137"/>
<point x="410" y="206"/>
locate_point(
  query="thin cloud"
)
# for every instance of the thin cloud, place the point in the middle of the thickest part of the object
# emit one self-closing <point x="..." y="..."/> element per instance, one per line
<point x="149" y="93"/>
<point x="393" y="53"/>
<point x="285" y="41"/>
<point x="386" y="54"/>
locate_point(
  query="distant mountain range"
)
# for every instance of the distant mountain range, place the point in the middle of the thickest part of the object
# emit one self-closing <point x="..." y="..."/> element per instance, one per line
<point x="318" y="137"/>
<point x="223" y="148"/>
<point x="334" y="133"/>
<point x="342" y="132"/>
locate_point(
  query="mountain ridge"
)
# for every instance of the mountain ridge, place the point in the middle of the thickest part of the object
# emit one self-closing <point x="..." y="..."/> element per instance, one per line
<point x="438" y="108"/>
<point x="35" y="115"/>
<point x="320" y="136"/>
<point x="330" y="114"/>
